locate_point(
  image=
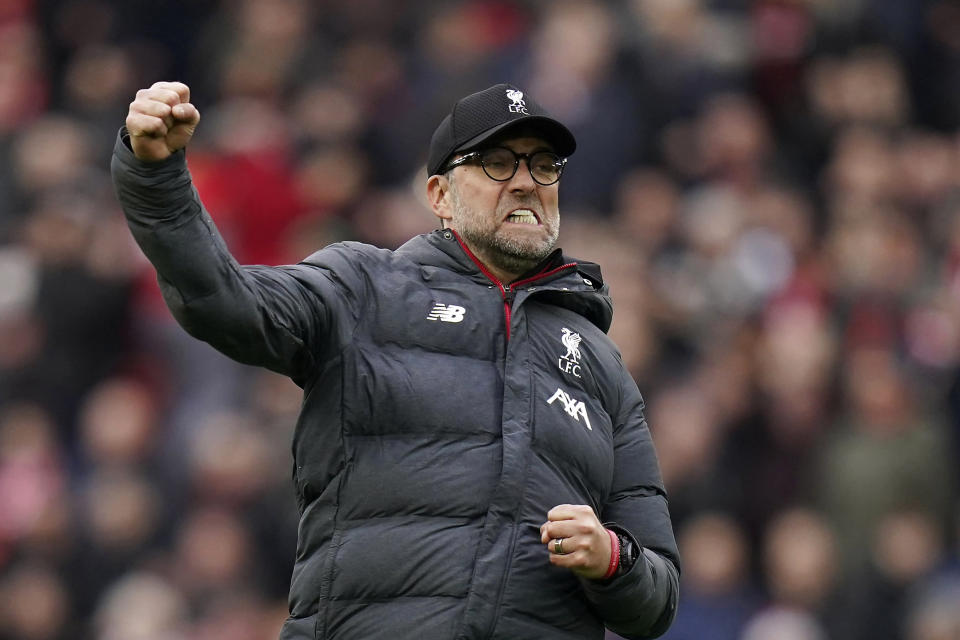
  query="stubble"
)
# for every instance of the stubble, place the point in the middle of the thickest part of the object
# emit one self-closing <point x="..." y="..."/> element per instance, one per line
<point x="505" y="251"/>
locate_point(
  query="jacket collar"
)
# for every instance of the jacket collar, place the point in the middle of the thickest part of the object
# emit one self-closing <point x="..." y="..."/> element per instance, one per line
<point x="579" y="287"/>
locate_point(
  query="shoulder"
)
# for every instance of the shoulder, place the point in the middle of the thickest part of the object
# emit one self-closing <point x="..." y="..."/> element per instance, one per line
<point x="357" y="257"/>
<point x="348" y="251"/>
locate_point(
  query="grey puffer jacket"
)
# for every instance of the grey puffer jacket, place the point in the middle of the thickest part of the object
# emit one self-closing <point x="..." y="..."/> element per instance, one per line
<point x="443" y="416"/>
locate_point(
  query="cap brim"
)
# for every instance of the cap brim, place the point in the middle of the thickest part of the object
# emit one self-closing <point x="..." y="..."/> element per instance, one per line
<point x="563" y="142"/>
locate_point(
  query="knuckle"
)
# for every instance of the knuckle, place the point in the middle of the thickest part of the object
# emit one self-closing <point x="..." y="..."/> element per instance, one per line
<point x="149" y="125"/>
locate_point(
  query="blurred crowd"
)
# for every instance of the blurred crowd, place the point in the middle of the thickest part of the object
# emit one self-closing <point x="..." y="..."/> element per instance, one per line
<point x="771" y="186"/>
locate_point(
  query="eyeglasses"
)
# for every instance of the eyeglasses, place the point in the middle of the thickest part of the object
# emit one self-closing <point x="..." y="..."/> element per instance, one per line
<point x="500" y="164"/>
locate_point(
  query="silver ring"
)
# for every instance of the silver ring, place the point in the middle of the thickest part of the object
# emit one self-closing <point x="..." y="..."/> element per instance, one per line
<point x="558" y="546"/>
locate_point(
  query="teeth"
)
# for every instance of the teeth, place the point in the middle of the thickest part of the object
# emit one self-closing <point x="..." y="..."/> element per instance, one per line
<point x="522" y="218"/>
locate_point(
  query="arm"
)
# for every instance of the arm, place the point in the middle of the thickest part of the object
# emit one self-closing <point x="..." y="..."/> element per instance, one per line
<point x="639" y="601"/>
<point x="642" y="602"/>
<point x="257" y="315"/>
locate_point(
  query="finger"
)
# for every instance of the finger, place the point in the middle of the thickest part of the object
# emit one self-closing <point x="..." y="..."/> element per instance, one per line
<point x="560" y="512"/>
<point x="560" y="529"/>
<point x="186" y="113"/>
<point x="569" y="544"/>
<point x="159" y="94"/>
<point x="584" y="560"/>
<point x="182" y="90"/>
<point x="139" y="124"/>
<point x="153" y="108"/>
<point x="572" y="560"/>
<point x="555" y="546"/>
<point x="568" y="511"/>
<point x="566" y="559"/>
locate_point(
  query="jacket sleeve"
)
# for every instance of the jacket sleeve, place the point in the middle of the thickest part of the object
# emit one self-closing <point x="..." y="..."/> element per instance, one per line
<point x="280" y="318"/>
<point x="643" y="602"/>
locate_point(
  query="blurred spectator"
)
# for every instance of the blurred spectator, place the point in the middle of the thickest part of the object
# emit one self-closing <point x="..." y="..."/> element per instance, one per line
<point x="905" y="548"/>
<point x="118" y="424"/>
<point x="141" y="606"/>
<point x="32" y="474"/>
<point x="802" y="568"/>
<point x="646" y="209"/>
<point x="717" y="598"/>
<point x="121" y="517"/>
<point x="885" y="455"/>
<point x="784" y="624"/>
<point x="239" y="617"/>
<point x="229" y="461"/>
<point x="212" y="556"/>
<point x="34" y="604"/>
<point x="574" y="68"/>
<point x="934" y="614"/>
<point x="24" y="88"/>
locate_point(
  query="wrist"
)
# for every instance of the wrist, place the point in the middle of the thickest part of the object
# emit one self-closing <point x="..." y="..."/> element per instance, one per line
<point x="614" y="563"/>
<point x="629" y="550"/>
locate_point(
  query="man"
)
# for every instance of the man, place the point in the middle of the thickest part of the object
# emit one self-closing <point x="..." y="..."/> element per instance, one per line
<point x="466" y="422"/>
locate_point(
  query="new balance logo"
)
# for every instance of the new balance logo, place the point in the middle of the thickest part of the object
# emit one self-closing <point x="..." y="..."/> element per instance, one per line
<point x="446" y="313"/>
<point x="575" y="408"/>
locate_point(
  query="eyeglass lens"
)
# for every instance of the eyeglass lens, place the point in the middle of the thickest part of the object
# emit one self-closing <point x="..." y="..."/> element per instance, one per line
<point x="501" y="164"/>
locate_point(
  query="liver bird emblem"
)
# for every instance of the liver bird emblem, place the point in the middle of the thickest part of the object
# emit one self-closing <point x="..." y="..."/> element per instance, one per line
<point x="571" y="341"/>
<point x="518" y="105"/>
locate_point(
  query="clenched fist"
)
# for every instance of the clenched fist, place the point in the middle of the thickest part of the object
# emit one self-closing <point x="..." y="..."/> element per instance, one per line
<point x="161" y="120"/>
<point x="585" y="545"/>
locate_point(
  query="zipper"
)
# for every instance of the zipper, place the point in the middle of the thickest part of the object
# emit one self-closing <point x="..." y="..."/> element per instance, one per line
<point x="508" y="292"/>
<point x="508" y="295"/>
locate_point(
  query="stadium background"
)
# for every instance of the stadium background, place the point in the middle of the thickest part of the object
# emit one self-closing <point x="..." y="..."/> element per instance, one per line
<point x="772" y="187"/>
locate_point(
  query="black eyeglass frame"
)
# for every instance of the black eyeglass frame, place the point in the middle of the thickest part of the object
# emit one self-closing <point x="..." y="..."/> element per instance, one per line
<point x="517" y="157"/>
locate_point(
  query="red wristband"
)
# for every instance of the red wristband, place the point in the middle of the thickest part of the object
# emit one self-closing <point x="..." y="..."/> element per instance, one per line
<point x="614" y="555"/>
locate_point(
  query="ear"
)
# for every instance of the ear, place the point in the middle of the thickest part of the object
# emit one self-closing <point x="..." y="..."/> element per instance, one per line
<point x="439" y="197"/>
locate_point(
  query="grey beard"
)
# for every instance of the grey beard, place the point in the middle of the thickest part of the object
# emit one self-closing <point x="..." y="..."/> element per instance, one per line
<point x="509" y="255"/>
<point x="506" y="254"/>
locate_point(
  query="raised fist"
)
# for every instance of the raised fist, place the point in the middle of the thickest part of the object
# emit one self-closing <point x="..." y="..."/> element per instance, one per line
<point x="161" y="120"/>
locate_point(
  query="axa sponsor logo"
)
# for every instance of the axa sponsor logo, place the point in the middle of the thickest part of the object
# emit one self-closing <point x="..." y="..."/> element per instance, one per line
<point x="446" y="313"/>
<point x="570" y="361"/>
<point x="576" y="409"/>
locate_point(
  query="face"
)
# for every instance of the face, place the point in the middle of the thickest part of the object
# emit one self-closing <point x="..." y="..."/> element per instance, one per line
<point x="510" y="225"/>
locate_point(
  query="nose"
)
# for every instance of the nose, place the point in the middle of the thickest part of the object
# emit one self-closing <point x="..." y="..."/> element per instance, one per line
<point x="522" y="180"/>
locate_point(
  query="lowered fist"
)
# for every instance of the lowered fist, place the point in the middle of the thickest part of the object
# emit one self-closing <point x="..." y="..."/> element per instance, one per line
<point x="161" y="120"/>
<point x="585" y="546"/>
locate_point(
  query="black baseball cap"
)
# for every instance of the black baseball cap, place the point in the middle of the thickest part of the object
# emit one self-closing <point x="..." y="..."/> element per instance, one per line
<point x="481" y="115"/>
